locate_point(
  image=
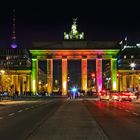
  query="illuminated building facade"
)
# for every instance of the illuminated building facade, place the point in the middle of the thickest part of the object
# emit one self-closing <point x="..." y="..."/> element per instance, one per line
<point x="17" y="66"/>
<point x="129" y="68"/>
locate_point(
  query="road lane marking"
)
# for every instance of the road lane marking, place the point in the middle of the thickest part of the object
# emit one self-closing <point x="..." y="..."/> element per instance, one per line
<point x="135" y="114"/>
<point x="1" y="118"/>
<point x="20" y="110"/>
<point x="11" y="114"/>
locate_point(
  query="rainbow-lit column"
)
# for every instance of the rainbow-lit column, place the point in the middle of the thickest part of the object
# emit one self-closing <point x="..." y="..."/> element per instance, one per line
<point x="114" y="74"/>
<point x="50" y="75"/>
<point x="34" y="78"/>
<point x="64" y="76"/>
<point x="84" y="74"/>
<point x="99" y="74"/>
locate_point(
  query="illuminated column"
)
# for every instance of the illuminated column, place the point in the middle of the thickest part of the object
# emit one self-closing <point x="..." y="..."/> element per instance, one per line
<point x="114" y="73"/>
<point x="64" y="76"/>
<point x="131" y="85"/>
<point x="24" y="88"/>
<point x="84" y="74"/>
<point x="121" y="84"/>
<point x="12" y="80"/>
<point x="34" y="78"/>
<point x="12" y="85"/>
<point x="50" y="75"/>
<point x="28" y="83"/>
<point x="16" y="81"/>
<point x="99" y="74"/>
<point x="19" y="84"/>
<point x="124" y="83"/>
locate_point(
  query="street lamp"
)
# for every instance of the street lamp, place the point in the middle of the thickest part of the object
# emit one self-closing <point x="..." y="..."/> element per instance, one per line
<point x="2" y="72"/>
<point x="108" y="82"/>
<point x="132" y="65"/>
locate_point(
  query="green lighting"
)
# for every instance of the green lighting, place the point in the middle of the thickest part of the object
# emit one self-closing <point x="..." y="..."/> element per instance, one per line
<point x="34" y="73"/>
<point x="114" y="73"/>
<point x="74" y="34"/>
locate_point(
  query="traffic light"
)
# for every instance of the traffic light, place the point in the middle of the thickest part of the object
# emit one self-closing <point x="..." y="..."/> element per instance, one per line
<point x="118" y="75"/>
<point x="92" y="75"/>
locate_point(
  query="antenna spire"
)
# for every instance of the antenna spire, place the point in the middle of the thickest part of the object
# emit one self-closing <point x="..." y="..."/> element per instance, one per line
<point x="14" y="25"/>
<point x="14" y="45"/>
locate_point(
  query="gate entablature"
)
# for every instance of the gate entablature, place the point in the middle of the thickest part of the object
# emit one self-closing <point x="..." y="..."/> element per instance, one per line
<point x="59" y="54"/>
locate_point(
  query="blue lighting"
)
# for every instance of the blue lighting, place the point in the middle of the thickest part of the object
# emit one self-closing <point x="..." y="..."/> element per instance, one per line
<point x="74" y="89"/>
<point x="13" y="46"/>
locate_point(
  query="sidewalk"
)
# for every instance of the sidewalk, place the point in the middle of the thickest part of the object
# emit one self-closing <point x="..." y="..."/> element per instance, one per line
<point x="71" y="121"/>
<point x="8" y="101"/>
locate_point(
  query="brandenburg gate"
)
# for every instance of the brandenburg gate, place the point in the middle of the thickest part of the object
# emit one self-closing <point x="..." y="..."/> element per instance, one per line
<point x="74" y="47"/>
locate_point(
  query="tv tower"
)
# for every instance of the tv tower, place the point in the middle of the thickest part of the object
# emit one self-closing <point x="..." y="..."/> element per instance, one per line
<point x="14" y="45"/>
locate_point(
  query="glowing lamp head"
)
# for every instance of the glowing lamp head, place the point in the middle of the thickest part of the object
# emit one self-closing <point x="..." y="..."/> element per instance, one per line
<point x="132" y="65"/>
<point x="118" y="75"/>
<point x="13" y="46"/>
<point x="92" y="75"/>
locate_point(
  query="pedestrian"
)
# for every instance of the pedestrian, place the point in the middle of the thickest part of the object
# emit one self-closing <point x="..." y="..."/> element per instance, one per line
<point x="71" y="95"/>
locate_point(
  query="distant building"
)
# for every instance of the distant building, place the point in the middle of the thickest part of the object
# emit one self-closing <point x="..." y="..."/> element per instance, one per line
<point x="15" y="59"/>
<point x="16" y="64"/>
<point x="129" y="68"/>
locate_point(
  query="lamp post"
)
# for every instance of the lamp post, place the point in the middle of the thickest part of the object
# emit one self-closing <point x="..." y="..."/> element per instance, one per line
<point x="133" y="65"/>
<point x="108" y="82"/>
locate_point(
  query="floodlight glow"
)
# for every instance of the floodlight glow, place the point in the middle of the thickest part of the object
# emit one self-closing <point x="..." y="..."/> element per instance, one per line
<point x="13" y="46"/>
<point x="64" y="85"/>
<point x="34" y="73"/>
<point x="34" y="85"/>
<point x="114" y="73"/>
<point x="74" y="89"/>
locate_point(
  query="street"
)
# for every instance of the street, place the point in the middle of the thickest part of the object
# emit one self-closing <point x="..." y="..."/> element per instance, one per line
<point x="119" y="120"/>
<point x="65" y="119"/>
<point x="19" y="120"/>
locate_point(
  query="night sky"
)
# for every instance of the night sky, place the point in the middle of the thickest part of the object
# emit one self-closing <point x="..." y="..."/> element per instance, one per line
<point x="36" y="21"/>
<point x="46" y="21"/>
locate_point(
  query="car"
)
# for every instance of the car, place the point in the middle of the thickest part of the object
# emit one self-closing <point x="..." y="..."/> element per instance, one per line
<point x="115" y="96"/>
<point x="104" y="95"/>
<point x="127" y="96"/>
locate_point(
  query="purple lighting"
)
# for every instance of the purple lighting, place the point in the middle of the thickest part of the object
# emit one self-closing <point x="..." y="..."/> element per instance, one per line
<point x="13" y="46"/>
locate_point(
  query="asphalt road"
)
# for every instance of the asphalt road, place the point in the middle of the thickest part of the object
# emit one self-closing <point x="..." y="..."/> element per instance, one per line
<point x="62" y="119"/>
<point x="18" y="121"/>
<point x="119" y="120"/>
